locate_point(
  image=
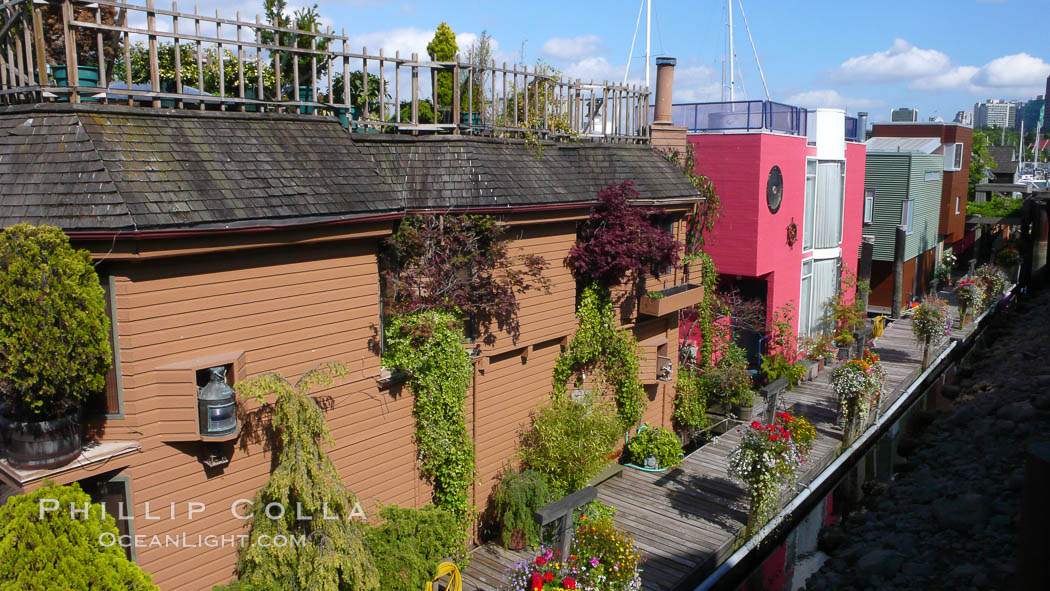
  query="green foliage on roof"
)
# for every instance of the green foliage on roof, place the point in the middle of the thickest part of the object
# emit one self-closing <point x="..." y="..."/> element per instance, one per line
<point x="997" y="207"/>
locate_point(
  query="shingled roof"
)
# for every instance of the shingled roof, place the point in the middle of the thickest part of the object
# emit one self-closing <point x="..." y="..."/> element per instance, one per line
<point x="96" y="167"/>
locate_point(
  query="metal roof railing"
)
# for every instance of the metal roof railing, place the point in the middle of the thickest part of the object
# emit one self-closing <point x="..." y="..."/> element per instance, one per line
<point x="740" y="116"/>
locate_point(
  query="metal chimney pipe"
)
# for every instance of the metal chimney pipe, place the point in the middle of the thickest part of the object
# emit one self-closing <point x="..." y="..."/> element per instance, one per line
<point x="862" y="126"/>
<point x="664" y="89"/>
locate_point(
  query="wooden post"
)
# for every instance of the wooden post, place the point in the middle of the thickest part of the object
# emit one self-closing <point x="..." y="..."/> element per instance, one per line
<point x="240" y="64"/>
<point x="178" y="53"/>
<point x="220" y="55"/>
<point x="867" y="250"/>
<point x="154" y="66"/>
<point x="71" y="51"/>
<point x="563" y="511"/>
<point x="382" y="87"/>
<point x="41" y="51"/>
<point x="200" y="58"/>
<point x="415" y="94"/>
<point x="1028" y="242"/>
<point x="364" y="82"/>
<point x="898" y="270"/>
<point x="455" y="95"/>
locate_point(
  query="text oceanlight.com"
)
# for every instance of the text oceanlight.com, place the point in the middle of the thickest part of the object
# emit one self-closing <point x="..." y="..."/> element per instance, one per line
<point x="240" y="509"/>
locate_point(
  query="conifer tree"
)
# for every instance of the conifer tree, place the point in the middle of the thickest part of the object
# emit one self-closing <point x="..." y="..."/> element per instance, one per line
<point x="60" y="552"/>
<point x="306" y="484"/>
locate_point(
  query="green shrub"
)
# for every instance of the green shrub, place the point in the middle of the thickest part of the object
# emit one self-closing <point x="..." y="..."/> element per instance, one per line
<point x="690" y="403"/>
<point x="661" y="443"/>
<point x="775" y="367"/>
<point x="515" y="499"/>
<point x="411" y="543"/>
<point x="570" y="442"/>
<point x="54" y="333"/>
<point x="59" y="552"/>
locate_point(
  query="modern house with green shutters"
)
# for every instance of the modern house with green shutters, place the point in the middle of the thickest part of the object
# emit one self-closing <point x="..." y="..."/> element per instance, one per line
<point x="902" y="186"/>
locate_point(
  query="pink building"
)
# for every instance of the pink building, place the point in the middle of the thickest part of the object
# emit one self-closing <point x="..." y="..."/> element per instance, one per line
<point x="792" y="193"/>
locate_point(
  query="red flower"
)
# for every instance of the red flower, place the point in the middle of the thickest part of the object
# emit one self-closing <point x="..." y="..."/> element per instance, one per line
<point x="756" y="425"/>
<point x="536" y="583"/>
<point x="540" y="561"/>
<point x="568" y="583"/>
<point x="548" y="577"/>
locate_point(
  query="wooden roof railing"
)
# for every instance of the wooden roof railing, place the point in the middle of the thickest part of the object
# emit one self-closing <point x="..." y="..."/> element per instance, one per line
<point x="119" y="52"/>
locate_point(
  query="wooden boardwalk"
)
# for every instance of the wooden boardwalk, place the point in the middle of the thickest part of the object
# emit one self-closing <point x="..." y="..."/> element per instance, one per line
<point x="688" y="519"/>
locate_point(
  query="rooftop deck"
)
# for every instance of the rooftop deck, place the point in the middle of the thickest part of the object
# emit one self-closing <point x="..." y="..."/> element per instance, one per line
<point x="740" y="116"/>
<point x="687" y="521"/>
<point x="124" y="53"/>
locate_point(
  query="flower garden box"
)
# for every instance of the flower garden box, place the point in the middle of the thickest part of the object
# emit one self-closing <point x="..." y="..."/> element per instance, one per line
<point x="670" y="300"/>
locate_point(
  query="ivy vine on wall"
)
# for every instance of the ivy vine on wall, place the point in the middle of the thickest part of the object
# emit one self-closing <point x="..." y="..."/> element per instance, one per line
<point x="428" y="344"/>
<point x="599" y="344"/>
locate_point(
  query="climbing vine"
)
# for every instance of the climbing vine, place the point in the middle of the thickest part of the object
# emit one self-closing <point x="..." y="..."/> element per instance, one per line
<point x="600" y="344"/>
<point x="428" y="344"/>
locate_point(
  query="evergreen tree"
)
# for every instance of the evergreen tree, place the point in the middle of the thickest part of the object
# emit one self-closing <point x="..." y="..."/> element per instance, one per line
<point x="60" y="552"/>
<point x="443" y="48"/>
<point x="307" y="485"/>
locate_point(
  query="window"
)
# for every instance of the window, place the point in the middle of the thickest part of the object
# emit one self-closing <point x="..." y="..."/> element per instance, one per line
<point x="933" y="175"/>
<point x="958" y="156"/>
<point x="827" y="219"/>
<point x="811" y="195"/>
<point x="869" y="205"/>
<point x="114" y="494"/>
<point x="109" y="402"/>
<point x="957" y="206"/>
<point x="804" y="313"/>
<point x="819" y="284"/>
<point x="666" y="224"/>
<point x="907" y="213"/>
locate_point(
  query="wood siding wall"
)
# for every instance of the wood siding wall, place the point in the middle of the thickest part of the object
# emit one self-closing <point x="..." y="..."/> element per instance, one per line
<point x="285" y="310"/>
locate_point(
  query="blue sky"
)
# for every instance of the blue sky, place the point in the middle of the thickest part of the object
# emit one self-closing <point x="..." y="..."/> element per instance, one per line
<point x="939" y="56"/>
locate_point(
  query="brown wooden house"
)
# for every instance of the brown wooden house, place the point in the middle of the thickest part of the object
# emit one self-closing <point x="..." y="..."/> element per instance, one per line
<point x="250" y="241"/>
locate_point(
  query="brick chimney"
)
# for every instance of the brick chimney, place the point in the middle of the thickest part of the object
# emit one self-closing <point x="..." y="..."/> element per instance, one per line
<point x="665" y="136"/>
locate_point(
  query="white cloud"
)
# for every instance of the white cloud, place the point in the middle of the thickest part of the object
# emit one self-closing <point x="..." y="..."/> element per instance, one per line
<point x="1019" y="74"/>
<point x="572" y="49"/>
<point x="828" y="98"/>
<point x="902" y="61"/>
<point x="1019" y="70"/>
<point x="695" y="84"/>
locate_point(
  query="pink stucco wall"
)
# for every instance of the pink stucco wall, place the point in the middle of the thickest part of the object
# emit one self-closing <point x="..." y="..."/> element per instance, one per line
<point x="751" y="242"/>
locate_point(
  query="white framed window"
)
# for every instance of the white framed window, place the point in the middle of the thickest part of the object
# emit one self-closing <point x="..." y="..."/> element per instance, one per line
<point x="958" y="156"/>
<point x="869" y="205"/>
<point x="810" y="206"/>
<point x="805" y="314"/>
<point x="907" y="214"/>
<point x="932" y="175"/>
<point x="956" y="206"/>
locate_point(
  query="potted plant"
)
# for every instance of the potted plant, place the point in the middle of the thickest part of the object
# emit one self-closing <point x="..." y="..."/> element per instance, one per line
<point x="970" y="295"/>
<point x="857" y="384"/>
<point x="931" y="322"/>
<point x="655" y="449"/>
<point x="765" y="460"/>
<point x="943" y="274"/>
<point x="743" y="404"/>
<point x="994" y="281"/>
<point x="55" y="337"/>
<point x="516" y="497"/>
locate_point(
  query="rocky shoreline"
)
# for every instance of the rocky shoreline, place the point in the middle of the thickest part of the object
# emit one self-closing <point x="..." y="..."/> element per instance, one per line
<point x="949" y="519"/>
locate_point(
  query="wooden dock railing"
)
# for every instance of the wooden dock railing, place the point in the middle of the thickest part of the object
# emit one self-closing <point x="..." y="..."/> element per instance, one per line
<point x="139" y="54"/>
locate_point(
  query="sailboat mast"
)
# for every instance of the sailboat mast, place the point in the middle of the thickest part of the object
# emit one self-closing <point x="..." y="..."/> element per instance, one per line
<point x="648" y="36"/>
<point x="732" y="55"/>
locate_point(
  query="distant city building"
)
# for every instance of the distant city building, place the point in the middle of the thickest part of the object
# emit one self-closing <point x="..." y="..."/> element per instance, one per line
<point x="995" y="113"/>
<point x="1032" y="113"/>
<point x="904" y="115"/>
<point x="936" y="119"/>
<point x="1046" y="106"/>
<point x="964" y="118"/>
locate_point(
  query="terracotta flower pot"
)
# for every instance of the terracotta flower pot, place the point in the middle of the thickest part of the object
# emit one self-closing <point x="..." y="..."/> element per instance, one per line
<point x="517" y="540"/>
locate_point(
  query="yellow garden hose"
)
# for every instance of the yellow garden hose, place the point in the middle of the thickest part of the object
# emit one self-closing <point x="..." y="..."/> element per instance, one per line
<point x="877" y="326"/>
<point x="446" y="569"/>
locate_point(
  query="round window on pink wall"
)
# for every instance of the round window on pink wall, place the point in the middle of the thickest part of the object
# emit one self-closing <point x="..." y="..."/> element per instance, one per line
<point x="774" y="189"/>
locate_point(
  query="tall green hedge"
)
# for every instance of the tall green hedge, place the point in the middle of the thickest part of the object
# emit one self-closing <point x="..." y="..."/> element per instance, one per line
<point x="54" y="333"/>
<point x="58" y="552"/>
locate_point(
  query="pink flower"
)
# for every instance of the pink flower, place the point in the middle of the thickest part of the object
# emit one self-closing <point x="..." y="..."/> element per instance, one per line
<point x="594" y="561"/>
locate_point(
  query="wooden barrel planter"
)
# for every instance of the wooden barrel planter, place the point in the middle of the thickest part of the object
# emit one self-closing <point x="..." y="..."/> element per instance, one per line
<point x="39" y="445"/>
